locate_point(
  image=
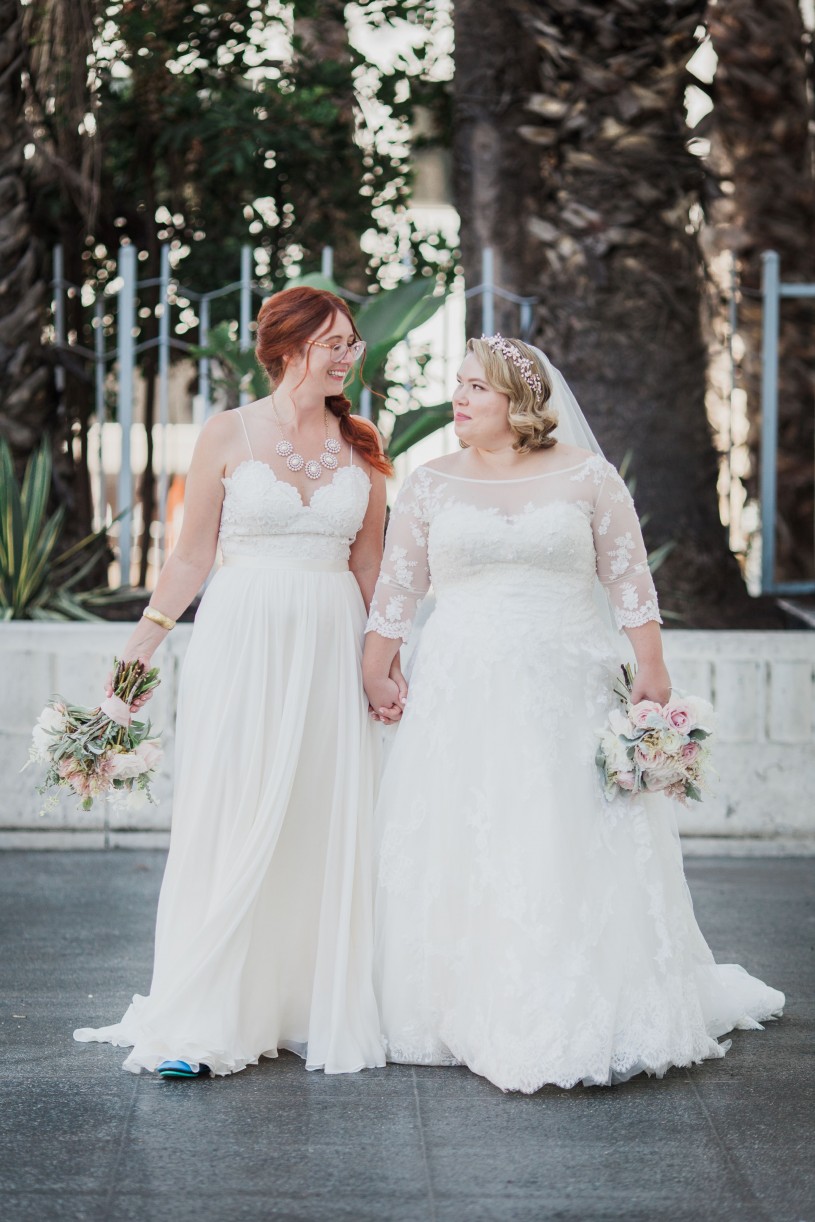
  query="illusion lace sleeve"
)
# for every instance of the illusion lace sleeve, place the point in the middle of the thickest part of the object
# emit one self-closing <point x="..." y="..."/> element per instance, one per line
<point x="405" y="577"/>
<point x="622" y="561"/>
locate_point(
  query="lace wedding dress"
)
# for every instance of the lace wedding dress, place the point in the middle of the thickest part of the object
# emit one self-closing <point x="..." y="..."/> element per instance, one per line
<point x="525" y="926"/>
<point x="264" y="936"/>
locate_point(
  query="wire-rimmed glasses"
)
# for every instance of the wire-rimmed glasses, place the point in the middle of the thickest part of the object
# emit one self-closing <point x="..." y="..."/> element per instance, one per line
<point x="338" y="351"/>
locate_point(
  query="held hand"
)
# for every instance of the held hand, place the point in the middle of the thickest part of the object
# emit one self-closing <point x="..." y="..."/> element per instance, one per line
<point x="384" y="699"/>
<point x="399" y="679"/>
<point x="652" y="683"/>
<point x="140" y="700"/>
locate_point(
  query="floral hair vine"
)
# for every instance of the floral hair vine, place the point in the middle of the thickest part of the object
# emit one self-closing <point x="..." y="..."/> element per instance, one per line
<point x="522" y="363"/>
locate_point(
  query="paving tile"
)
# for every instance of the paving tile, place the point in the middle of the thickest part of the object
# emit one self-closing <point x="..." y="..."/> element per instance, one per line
<point x="306" y="1207"/>
<point x="84" y="1142"/>
<point x="577" y="1209"/>
<point x="60" y="1138"/>
<point x="44" y="1205"/>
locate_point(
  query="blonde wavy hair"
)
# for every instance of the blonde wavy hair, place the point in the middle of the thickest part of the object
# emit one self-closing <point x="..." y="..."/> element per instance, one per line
<point x="529" y="416"/>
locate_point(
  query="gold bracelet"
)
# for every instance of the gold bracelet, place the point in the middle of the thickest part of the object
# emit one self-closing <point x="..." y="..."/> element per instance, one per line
<point x="163" y="621"/>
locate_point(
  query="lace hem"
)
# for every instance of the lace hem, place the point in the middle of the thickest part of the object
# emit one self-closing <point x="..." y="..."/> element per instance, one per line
<point x="392" y="629"/>
<point x="638" y="616"/>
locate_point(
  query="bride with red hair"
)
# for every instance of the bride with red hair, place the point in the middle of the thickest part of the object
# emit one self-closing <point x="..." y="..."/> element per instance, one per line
<point x="263" y="937"/>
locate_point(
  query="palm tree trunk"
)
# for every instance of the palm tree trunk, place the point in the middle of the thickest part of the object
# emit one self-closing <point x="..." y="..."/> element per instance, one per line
<point x="320" y="38"/>
<point x="762" y="152"/>
<point x="28" y="401"/>
<point x="57" y="40"/>
<point x="596" y="218"/>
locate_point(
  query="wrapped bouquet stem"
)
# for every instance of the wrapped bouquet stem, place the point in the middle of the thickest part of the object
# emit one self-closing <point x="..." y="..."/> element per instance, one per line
<point x="100" y="752"/>
<point x="656" y="747"/>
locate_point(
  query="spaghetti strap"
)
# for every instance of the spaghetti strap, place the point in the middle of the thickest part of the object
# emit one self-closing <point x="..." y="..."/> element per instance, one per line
<point x="351" y="459"/>
<point x="246" y="435"/>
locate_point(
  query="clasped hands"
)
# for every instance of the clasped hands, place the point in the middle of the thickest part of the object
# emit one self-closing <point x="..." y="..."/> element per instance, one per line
<point x="386" y="694"/>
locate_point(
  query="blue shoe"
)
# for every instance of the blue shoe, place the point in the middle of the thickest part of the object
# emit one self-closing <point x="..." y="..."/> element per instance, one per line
<point x="181" y="1069"/>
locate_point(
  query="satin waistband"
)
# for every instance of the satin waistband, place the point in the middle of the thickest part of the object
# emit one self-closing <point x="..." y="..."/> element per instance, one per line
<point x="283" y="563"/>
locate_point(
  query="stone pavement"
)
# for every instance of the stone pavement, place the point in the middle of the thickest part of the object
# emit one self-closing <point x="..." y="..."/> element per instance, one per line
<point x="729" y="1141"/>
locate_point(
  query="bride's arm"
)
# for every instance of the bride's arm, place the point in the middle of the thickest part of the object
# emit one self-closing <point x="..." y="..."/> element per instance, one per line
<point x="186" y="569"/>
<point x="403" y="582"/>
<point x="652" y="681"/>
<point x="366" y="550"/>
<point x="622" y="566"/>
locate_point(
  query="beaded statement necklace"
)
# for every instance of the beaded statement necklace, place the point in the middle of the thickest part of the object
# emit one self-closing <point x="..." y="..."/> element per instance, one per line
<point x="313" y="467"/>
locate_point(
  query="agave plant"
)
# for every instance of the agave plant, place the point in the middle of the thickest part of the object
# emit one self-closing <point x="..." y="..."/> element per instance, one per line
<point x="38" y="581"/>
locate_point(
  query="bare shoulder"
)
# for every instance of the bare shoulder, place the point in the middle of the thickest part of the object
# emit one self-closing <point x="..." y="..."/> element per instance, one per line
<point x="221" y="443"/>
<point x="220" y="428"/>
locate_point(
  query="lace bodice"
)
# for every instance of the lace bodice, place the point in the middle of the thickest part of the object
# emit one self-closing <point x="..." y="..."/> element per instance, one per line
<point x="266" y="516"/>
<point x="546" y="537"/>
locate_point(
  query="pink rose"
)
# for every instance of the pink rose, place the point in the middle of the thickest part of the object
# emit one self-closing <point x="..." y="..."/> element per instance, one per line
<point x="625" y="780"/>
<point x="641" y="712"/>
<point x="678" y="715"/>
<point x="689" y="752"/>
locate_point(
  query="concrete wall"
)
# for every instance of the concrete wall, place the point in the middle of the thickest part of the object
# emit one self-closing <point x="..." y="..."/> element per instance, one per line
<point x="762" y="685"/>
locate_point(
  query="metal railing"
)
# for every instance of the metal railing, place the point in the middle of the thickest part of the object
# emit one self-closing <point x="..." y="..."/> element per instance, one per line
<point x="122" y="359"/>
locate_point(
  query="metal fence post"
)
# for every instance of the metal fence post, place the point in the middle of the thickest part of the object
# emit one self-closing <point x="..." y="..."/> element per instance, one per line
<point x="163" y="388"/>
<point x="365" y="403"/>
<point x="487" y="294"/>
<point x="525" y="320"/>
<point x="59" y="313"/>
<point x="732" y="327"/>
<point x="327" y="263"/>
<point x="246" y="308"/>
<point x="770" y="282"/>
<point x="203" y="362"/>
<point x="99" y="395"/>
<point x="126" y="317"/>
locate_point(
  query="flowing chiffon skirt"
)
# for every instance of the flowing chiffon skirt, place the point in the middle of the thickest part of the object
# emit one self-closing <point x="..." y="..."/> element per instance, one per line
<point x="264" y="936"/>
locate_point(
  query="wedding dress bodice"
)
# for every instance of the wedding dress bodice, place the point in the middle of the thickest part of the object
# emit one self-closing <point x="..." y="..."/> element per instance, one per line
<point x="533" y="544"/>
<point x="266" y="516"/>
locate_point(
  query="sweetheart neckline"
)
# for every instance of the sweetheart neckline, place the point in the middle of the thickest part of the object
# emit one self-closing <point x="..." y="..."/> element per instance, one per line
<point x="258" y="462"/>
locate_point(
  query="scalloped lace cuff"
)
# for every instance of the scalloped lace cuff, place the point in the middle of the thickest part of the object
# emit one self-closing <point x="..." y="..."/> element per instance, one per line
<point x="392" y="629"/>
<point x="638" y="616"/>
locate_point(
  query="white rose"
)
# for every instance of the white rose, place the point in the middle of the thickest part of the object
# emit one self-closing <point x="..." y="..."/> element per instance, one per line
<point x="671" y="741"/>
<point x="150" y="753"/>
<point x="615" y="753"/>
<point x="126" y="764"/>
<point x="701" y="711"/>
<point x="136" y="799"/>
<point x="619" y="723"/>
<point x="50" y="722"/>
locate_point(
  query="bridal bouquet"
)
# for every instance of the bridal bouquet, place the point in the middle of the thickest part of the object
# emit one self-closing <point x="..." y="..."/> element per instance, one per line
<point x="99" y="752"/>
<point x="656" y="747"/>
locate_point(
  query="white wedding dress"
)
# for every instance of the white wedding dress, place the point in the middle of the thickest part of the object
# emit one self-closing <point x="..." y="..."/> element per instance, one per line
<point x="264" y="929"/>
<point x="525" y="926"/>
